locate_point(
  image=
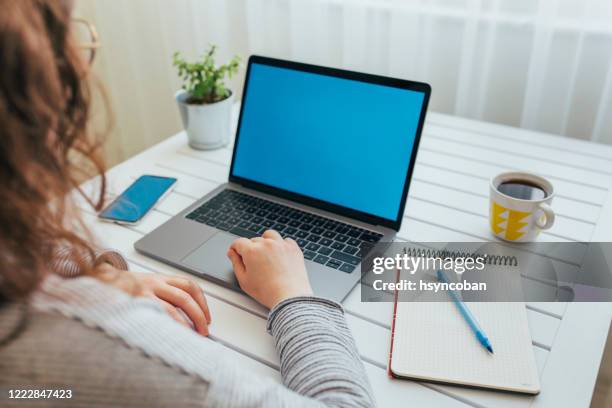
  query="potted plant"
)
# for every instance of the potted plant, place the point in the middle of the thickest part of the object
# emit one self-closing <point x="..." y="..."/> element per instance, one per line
<point x="204" y="102"/>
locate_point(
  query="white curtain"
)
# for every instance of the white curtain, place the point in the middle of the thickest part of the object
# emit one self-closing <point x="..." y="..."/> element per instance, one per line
<point x="537" y="64"/>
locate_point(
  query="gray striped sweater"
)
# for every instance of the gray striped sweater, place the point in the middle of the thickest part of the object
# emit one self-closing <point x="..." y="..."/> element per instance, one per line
<point x="111" y="349"/>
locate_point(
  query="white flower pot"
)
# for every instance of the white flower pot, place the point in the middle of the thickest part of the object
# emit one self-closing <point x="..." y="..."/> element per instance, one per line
<point x="208" y="126"/>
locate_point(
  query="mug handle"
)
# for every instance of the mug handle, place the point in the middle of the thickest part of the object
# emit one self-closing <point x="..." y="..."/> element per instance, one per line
<point x="549" y="217"/>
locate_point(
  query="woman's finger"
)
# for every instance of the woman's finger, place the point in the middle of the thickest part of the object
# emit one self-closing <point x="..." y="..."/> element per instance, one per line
<point x="173" y="312"/>
<point x="241" y="245"/>
<point x="237" y="263"/>
<point x="183" y="300"/>
<point x="194" y="290"/>
<point x="272" y="234"/>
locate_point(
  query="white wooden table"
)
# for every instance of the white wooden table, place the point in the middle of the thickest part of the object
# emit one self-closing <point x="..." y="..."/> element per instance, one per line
<point x="448" y="201"/>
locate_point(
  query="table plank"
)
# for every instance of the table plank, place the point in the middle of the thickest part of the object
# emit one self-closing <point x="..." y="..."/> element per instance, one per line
<point x="603" y="230"/>
<point x="572" y="366"/>
<point x="568" y="172"/>
<point x="531" y="137"/>
<point x="479" y="206"/>
<point x="479" y="186"/>
<point x="565" y="188"/>
<point x="518" y="147"/>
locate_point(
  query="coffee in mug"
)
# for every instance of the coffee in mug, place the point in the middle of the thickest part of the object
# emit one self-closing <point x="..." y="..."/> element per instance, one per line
<point x="520" y="206"/>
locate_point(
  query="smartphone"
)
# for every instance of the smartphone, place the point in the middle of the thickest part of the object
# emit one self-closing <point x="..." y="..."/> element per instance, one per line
<point x="137" y="200"/>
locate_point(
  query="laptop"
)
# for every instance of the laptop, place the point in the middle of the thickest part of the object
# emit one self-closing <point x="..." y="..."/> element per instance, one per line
<point x="322" y="155"/>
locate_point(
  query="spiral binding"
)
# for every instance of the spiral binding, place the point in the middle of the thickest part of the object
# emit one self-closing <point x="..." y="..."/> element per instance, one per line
<point x="501" y="260"/>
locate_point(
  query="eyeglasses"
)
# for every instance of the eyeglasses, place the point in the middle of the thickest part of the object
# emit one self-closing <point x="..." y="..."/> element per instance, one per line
<point x="87" y="36"/>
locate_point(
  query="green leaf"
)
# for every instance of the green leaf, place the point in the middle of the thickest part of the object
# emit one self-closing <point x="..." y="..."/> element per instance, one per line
<point x="203" y="79"/>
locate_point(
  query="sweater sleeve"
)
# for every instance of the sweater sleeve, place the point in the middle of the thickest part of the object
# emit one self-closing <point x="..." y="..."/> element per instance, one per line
<point x="318" y="357"/>
<point x="64" y="263"/>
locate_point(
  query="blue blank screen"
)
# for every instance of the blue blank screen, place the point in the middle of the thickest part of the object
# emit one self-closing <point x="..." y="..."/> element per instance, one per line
<point x="138" y="199"/>
<point x="341" y="141"/>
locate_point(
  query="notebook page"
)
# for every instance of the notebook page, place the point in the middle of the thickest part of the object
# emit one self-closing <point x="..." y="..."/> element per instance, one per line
<point x="432" y="341"/>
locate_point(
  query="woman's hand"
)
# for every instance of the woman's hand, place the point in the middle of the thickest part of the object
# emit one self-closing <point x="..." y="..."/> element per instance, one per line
<point x="269" y="268"/>
<point x="182" y="298"/>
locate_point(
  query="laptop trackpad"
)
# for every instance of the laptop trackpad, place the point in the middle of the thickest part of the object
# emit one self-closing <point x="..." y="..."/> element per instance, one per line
<point x="211" y="258"/>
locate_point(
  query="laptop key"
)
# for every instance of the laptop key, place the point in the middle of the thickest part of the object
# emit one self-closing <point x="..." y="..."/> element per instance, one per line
<point x="302" y="242"/>
<point x="325" y="241"/>
<point x="325" y="251"/>
<point x="329" y="234"/>
<point x="350" y="250"/>
<point x="290" y="230"/>
<point x="314" y="238"/>
<point x="213" y="204"/>
<point x="354" y="242"/>
<point x="192" y="215"/>
<point x="309" y="255"/>
<point x="341" y="238"/>
<point x="337" y="245"/>
<point x="306" y="227"/>
<point x="353" y="233"/>
<point x="267" y="223"/>
<point x="241" y="232"/>
<point x="332" y="263"/>
<point x="224" y="226"/>
<point x="278" y="227"/>
<point x="348" y="268"/>
<point x="317" y="230"/>
<point x="341" y="256"/>
<point x="244" y="224"/>
<point x="369" y="237"/>
<point x="342" y="229"/>
<point x="255" y="228"/>
<point x="301" y="234"/>
<point x="313" y="247"/>
<point x="321" y="259"/>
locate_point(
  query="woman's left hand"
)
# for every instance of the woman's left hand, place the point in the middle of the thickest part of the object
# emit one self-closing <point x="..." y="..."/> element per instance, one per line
<point x="182" y="298"/>
<point x="177" y="295"/>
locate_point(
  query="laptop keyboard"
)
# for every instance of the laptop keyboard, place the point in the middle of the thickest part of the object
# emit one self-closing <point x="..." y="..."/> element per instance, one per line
<point x="322" y="240"/>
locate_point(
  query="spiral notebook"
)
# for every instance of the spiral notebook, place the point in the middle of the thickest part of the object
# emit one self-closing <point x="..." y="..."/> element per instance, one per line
<point x="432" y="342"/>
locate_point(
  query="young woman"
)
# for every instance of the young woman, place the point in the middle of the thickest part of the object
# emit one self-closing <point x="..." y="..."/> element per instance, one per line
<point x="75" y="321"/>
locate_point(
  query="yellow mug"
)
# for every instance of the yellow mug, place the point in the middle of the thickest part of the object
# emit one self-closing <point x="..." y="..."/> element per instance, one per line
<point x="520" y="206"/>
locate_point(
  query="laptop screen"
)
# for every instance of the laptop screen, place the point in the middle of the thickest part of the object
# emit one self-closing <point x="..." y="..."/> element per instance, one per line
<point x="340" y="141"/>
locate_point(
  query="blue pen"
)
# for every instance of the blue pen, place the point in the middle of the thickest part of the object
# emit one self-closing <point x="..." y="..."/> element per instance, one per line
<point x="467" y="315"/>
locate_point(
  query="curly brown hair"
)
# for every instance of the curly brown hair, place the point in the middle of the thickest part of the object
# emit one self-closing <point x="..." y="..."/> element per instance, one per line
<point x="45" y="145"/>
